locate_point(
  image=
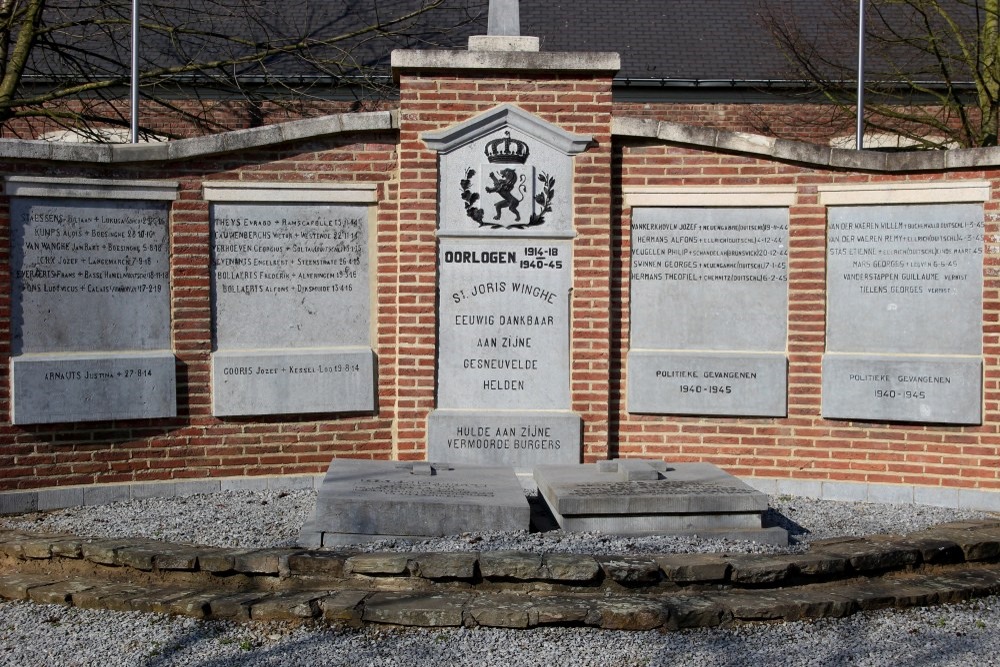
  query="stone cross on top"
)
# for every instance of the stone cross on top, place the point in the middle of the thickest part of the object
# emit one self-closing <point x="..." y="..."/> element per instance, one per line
<point x="503" y="30"/>
<point x="504" y="18"/>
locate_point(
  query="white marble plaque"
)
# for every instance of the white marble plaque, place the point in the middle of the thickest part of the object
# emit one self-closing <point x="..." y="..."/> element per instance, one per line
<point x="292" y="309"/>
<point x="90" y="326"/>
<point x="904" y="313"/>
<point x="503" y="341"/>
<point x="709" y="301"/>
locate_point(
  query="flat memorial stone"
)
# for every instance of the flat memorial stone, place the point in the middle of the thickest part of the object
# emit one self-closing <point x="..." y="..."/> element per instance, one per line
<point x="633" y="497"/>
<point x="361" y="501"/>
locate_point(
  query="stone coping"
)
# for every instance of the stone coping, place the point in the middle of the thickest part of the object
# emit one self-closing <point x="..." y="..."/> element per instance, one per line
<point x="621" y="127"/>
<point x="215" y="144"/>
<point x="587" y="62"/>
<point x="802" y="152"/>
<point x="947" y="563"/>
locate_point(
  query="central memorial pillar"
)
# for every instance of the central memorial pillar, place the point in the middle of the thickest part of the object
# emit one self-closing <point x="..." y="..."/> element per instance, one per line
<point x="502" y="284"/>
<point x="505" y="274"/>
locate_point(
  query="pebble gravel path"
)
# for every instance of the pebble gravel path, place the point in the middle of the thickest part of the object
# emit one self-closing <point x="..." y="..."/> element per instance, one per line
<point x="45" y="635"/>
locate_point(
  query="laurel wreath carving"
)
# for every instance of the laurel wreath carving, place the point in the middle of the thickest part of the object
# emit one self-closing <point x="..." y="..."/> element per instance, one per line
<point x="543" y="199"/>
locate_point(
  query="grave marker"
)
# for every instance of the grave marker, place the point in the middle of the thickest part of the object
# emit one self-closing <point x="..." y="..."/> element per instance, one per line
<point x="361" y="501"/>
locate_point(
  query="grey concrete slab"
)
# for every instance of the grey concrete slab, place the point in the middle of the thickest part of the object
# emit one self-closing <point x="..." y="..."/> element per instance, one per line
<point x="682" y="488"/>
<point x="387" y="498"/>
<point x="59" y="497"/>
<point x="18" y="502"/>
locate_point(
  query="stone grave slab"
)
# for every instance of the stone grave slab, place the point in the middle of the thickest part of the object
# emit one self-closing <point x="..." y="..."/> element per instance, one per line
<point x="640" y="498"/>
<point x="362" y="501"/>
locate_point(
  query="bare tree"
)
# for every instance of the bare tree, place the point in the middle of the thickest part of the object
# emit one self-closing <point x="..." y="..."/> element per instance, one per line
<point x="65" y="63"/>
<point x="933" y="66"/>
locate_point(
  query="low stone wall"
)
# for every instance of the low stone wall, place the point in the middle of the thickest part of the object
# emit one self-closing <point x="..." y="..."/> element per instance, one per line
<point x="835" y="578"/>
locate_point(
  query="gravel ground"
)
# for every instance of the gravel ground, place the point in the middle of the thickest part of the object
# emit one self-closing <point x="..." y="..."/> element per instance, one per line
<point x="46" y="635"/>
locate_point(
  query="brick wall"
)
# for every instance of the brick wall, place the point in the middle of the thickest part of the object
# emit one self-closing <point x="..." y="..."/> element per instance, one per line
<point x="196" y="444"/>
<point x="803" y="445"/>
<point x="799" y="446"/>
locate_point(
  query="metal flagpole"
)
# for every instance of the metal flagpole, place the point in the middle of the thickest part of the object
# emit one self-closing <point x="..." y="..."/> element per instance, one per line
<point x="860" y="135"/>
<point x="134" y="93"/>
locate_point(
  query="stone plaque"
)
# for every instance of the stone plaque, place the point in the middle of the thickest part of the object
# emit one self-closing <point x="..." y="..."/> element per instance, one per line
<point x="306" y="267"/>
<point x="89" y="275"/>
<point x="74" y="387"/>
<point x="895" y="276"/>
<point x="709" y="294"/>
<point x="709" y="278"/>
<point x="91" y="293"/>
<point x="505" y="271"/>
<point x="520" y="439"/>
<point x="503" y="340"/>
<point x="293" y="381"/>
<point x="707" y="383"/>
<point x="915" y="389"/>
<point x="896" y="273"/>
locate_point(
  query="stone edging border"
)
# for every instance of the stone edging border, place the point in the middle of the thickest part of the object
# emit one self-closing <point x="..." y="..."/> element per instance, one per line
<point x="59" y="497"/>
<point x="837" y="577"/>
